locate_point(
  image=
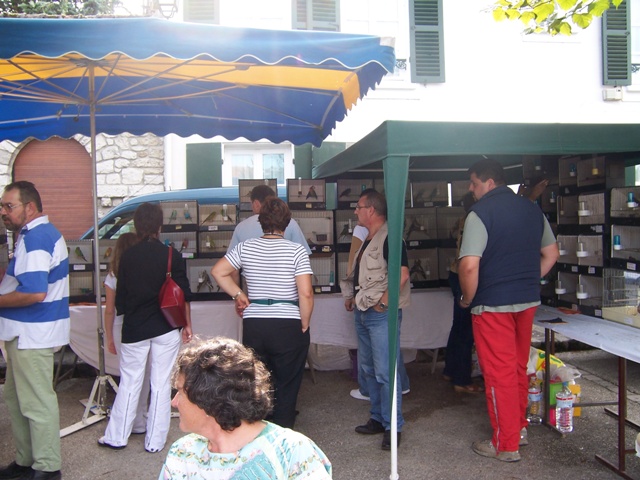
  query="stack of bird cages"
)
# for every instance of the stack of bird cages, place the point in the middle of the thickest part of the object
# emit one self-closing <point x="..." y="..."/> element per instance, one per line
<point x="201" y="282"/>
<point x="591" y="171"/>
<point x="81" y="266"/>
<point x="591" y="209"/>
<point x="429" y="194"/>
<point x="568" y="172"/>
<point x="178" y="214"/>
<point x="625" y="202"/>
<point x="568" y="210"/>
<point x="459" y="188"/>
<point x="420" y="227"/>
<point x="183" y="241"/>
<point x="317" y="227"/>
<point x="214" y="217"/>
<point x="621" y="296"/>
<point x="423" y="268"/>
<point x="307" y="194"/>
<point x="345" y="223"/>
<point x="324" y="273"/>
<point x="589" y="250"/>
<point x="349" y="190"/>
<point x="214" y="243"/>
<point x="567" y="247"/>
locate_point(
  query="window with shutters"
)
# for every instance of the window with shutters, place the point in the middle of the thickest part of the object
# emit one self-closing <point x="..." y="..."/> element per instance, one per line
<point x="316" y="15"/>
<point x="427" y="41"/>
<point x="616" y="46"/>
<point x="634" y="15"/>
<point x="202" y="11"/>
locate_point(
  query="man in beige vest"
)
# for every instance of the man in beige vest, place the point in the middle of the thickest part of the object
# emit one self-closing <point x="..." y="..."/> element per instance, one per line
<point x="367" y="293"/>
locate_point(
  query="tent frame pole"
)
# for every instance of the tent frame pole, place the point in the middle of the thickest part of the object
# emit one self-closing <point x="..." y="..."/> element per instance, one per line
<point x="96" y="404"/>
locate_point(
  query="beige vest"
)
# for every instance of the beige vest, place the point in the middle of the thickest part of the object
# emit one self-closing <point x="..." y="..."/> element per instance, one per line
<point x="373" y="275"/>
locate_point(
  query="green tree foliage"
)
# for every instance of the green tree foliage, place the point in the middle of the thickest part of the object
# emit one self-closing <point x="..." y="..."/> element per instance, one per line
<point x="552" y="16"/>
<point x="57" y="7"/>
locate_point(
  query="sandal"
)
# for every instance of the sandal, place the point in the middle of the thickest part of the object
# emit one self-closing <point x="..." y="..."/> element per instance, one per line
<point x="473" y="388"/>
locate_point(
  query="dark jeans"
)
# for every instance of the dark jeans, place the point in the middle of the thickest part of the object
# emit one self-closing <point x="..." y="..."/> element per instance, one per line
<point x="457" y="361"/>
<point x="282" y="346"/>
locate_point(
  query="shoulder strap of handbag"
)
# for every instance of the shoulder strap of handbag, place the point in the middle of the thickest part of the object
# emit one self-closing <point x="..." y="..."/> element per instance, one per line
<point x="169" y="261"/>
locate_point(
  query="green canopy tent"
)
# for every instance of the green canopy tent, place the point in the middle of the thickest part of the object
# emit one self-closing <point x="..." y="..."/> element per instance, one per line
<point x="436" y="151"/>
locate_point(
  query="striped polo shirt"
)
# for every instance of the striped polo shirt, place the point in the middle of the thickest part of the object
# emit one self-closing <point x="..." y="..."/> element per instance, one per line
<point x="40" y="264"/>
<point x="270" y="267"/>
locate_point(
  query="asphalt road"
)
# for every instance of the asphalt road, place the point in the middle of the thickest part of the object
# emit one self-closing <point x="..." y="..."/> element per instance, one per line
<point x="440" y="427"/>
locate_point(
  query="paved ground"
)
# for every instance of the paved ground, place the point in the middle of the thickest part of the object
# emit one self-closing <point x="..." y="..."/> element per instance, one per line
<point x="441" y="425"/>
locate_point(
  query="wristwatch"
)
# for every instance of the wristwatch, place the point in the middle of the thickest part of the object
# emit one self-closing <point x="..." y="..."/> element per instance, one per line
<point x="463" y="303"/>
<point x="383" y="306"/>
<point x="237" y="295"/>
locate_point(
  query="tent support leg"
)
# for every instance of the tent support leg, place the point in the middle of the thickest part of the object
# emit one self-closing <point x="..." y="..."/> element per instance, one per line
<point x="95" y="406"/>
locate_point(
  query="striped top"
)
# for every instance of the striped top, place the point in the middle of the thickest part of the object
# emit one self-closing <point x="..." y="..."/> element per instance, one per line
<point x="270" y="267"/>
<point x="40" y="264"/>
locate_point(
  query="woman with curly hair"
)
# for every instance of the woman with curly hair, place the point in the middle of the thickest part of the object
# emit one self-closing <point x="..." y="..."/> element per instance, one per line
<point x="223" y="395"/>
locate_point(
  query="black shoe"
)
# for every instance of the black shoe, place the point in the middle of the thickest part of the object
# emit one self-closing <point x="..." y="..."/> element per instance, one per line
<point x="370" y="428"/>
<point x="386" y="440"/>
<point x="40" y="475"/>
<point x="14" y="471"/>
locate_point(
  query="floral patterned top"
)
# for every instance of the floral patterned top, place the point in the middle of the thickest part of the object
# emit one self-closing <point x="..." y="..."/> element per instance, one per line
<point x="276" y="454"/>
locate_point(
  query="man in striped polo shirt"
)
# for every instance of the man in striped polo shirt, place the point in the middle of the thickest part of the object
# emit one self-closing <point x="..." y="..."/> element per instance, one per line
<point x="34" y="319"/>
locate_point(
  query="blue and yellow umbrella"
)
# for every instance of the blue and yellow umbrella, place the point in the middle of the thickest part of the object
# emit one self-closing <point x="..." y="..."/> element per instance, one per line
<point x="141" y="75"/>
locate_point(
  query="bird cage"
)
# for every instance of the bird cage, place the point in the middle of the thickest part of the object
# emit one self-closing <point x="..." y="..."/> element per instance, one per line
<point x="625" y="202"/>
<point x="317" y="227"/>
<point x="591" y="209"/>
<point x="621" y="296"/>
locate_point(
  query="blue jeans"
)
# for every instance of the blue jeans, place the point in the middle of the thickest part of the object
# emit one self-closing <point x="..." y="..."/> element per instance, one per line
<point x="402" y="373"/>
<point x="373" y="356"/>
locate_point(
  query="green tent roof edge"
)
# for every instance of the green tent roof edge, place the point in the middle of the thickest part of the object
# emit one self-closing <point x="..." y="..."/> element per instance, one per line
<point x="395" y="138"/>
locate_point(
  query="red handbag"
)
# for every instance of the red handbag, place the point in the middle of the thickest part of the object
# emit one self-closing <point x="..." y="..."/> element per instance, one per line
<point x="171" y="299"/>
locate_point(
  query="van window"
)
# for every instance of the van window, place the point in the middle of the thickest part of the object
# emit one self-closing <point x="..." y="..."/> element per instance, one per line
<point x="116" y="226"/>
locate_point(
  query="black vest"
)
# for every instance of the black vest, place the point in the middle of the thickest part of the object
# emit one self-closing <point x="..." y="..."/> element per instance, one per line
<point x="510" y="265"/>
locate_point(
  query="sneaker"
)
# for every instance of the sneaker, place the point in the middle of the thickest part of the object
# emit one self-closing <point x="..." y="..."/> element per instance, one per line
<point x="355" y="393"/>
<point x="103" y="443"/>
<point x="372" y="427"/>
<point x="404" y="392"/>
<point x="486" y="449"/>
<point x="386" y="439"/>
<point x="524" y="437"/>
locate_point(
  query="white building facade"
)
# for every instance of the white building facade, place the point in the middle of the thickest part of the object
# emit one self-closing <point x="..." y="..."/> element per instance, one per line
<point x="485" y="71"/>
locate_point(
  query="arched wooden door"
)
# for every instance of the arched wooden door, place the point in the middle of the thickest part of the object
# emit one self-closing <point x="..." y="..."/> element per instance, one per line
<point x="61" y="171"/>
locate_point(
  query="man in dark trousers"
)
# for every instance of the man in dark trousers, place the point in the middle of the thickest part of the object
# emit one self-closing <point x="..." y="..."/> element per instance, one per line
<point x="507" y="247"/>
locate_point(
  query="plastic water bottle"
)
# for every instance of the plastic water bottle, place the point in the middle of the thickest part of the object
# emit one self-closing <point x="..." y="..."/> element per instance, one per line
<point x="534" y="409"/>
<point x="564" y="409"/>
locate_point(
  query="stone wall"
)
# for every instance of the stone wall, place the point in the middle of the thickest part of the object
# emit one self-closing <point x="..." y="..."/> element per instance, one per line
<point x="127" y="166"/>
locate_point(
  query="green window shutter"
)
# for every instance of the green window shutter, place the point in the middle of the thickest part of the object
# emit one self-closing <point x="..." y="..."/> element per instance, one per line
<point x="616" y="46"/>
<point x="427" y="41"/>
<point x="204" y="165"/>
<point x="316" y="15"/>
<point x="201" y="11"/>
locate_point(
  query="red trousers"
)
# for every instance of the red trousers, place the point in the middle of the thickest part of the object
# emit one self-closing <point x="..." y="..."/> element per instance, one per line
<point x="502" y="342"/>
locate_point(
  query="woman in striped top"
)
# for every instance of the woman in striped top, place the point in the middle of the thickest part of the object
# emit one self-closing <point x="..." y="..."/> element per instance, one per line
<point x="276" y="309"/>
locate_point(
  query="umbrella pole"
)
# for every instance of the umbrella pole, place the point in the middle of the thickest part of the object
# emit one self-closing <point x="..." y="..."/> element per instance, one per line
<point x="96" y="403"/>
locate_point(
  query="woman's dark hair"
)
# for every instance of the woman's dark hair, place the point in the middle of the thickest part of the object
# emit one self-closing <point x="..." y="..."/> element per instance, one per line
<point x="226" y="380"/>
<point x="274" y="215"/>
<point x="147" y="220"/>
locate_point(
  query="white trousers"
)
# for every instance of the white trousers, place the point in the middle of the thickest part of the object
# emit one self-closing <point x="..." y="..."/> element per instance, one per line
<point x="140" y="422"/>
<point x="161" y="352"/>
